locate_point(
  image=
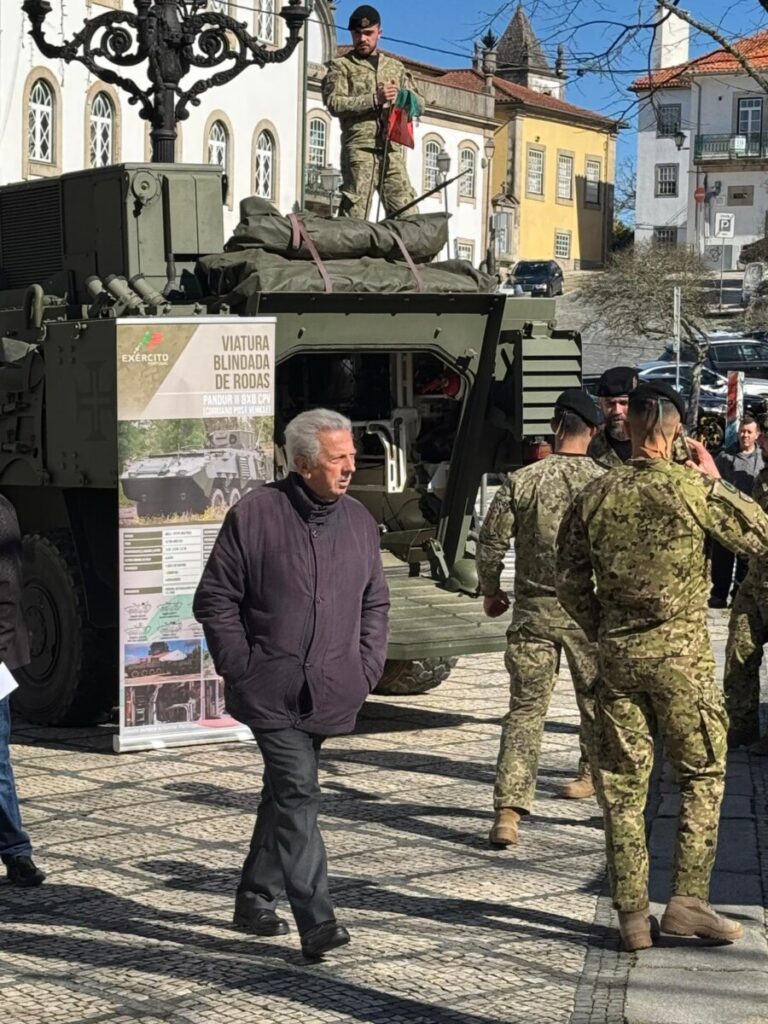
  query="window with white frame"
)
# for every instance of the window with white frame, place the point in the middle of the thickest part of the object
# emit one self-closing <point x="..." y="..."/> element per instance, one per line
<point x="218" y="143"/>
<point x="219" y="6"/>
<point x="102" y="130"/>
<point x="536" y="172"/>
<point x="562" y="245"/>
<point x="501" y="227"/>
<point x="317" y="150"/>
<point x="669" y="119"/>
<point x="431" y="170"/>
<point x="467" y="162"/>
<point x="592" y="172"/>
<point x="264" y="166"/>
<point x="42" y="113"/>
<point x="666" y="180"/>
<point x="265" y="20"/>
<point x="465" y="251"/>
<point x="665" y="236"/>
<point x="750" y="116"/>
<point x="564" y="176"/>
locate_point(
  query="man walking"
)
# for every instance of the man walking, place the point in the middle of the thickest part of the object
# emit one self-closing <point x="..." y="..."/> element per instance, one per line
<point x="632" y="570"/>
<point x="739" y="466"/>
<point x="294" y="607"/>
<point x="15" y="846"/>
<point x="529" y="506"/>
<point x="358" y="88"/>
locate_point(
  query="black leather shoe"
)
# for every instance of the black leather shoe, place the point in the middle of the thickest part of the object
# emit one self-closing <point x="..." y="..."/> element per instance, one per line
<point x="323" y="938"/>
<point x="23" y="871"/>
<point x="260" y="922"/>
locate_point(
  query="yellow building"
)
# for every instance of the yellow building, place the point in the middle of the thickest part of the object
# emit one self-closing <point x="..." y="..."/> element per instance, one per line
<point x="553" y="164"/>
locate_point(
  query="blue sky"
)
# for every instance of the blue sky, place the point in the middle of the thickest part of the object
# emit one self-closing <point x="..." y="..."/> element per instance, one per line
<point x="452" y="25"/>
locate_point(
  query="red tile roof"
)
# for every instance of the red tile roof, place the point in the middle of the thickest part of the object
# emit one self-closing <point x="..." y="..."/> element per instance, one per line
<point x="754" y="48"/>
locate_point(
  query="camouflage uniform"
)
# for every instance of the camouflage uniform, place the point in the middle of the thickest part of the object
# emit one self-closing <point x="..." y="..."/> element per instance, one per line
<point x="747" y="633"/>
<point x="529" y="506"/>
<point x="642" y="530"/>
<point x="602" y="453"/>
<point x="349" y="89"/>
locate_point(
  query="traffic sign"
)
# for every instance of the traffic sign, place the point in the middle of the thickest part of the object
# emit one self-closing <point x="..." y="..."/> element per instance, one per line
<point x="700" y="194"/>
<point x="724" y="225"/>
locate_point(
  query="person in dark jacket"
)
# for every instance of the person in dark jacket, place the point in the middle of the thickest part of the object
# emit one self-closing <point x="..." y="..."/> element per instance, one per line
<point x="294" y="606"/>
<point x="15" y="846"/>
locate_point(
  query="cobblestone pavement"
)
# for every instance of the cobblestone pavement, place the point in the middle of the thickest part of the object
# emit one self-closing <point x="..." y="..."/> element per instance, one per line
<point x="143" y="852"/>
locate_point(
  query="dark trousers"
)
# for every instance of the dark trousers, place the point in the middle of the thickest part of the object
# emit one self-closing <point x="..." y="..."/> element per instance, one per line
<point x="14" y="841"/>
<point x="287" y="851"/>
<point x="722" y="571"/>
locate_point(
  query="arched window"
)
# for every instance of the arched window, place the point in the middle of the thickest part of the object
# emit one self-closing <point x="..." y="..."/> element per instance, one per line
<point x="431" y="171"/>
<point x="42" y="122"/>
<point x="265" y="21"/>
<point x="102" y="131"/>
<point x="218" y="143"/>
<point x="264" y="166"/>
<point x="467" y="162"/>
<point x="318" y="142"/>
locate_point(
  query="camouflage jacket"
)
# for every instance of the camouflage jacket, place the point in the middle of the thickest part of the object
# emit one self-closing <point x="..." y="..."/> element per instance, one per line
<point x="642" y="531"/>
<point x="529" y="506"/>
<point x="602" y="453"/>
<point x="757" y="577"/>
<point x="349" y="90"/>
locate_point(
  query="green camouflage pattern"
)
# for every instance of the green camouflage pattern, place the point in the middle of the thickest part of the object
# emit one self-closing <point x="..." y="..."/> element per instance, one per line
<point x="678" y="693"/>
<point x="747" y="634"/>
<point x="349" y="89"/>
<point x="602" y="453"/>
<point x="533" y="661"/>
<point x="528" y="507"/>
<point x="632" y="569"/>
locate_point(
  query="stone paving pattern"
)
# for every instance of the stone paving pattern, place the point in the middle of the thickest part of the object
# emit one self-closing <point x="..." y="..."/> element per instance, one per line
<point x="143" y="852"/>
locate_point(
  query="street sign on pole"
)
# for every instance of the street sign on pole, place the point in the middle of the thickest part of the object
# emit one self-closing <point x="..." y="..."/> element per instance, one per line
<point x="676" y="305"/>
<point x="734" y="409"/>
<point x="725" y="225"/>
<point x="700" y="194"/>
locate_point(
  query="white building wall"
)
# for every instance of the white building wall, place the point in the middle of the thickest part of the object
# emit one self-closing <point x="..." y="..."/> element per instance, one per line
<point x="652" y="211"/>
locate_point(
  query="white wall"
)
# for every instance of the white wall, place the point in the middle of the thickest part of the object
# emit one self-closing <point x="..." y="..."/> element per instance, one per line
<point x="653" y="211"/>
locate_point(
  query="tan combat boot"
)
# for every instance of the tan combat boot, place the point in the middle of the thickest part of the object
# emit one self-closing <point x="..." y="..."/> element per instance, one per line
<point x="504" y="830"/>
<point x="580" y="789"/>
<point x="687" y="915"/>
<point x="637" y="929"/>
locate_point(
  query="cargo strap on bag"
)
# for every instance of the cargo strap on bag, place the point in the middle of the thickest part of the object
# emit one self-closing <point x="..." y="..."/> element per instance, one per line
<point x="420" y="286"/>
<point x="299" y="237"/>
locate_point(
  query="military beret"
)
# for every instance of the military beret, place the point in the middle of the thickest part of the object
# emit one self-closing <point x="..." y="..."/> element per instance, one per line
<point x="578" y="401"/>
<point x="653" y="390"/>
<point x="363" y="17"/>
<point x="619" y="380"/>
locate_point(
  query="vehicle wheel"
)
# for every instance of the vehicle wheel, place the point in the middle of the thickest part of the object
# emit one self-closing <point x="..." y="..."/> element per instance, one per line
<point x="218" y="498"/>
<point x="145" y="509"/>
<point x="72" y="675"/>
<point x="550" y="290"/>
<point x="403" y="678"/>
<point x="234" y="497"/>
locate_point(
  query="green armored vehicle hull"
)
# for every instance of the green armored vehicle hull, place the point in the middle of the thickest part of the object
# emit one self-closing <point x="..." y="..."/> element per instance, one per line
<point x="441" y="389"/>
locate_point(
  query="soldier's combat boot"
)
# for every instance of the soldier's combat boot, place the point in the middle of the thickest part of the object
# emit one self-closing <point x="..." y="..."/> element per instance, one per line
<point x="637" y="929"/>
<point x="687" y="915"/>
<point x="505" y="825"/>
<point x="580" y="789"/>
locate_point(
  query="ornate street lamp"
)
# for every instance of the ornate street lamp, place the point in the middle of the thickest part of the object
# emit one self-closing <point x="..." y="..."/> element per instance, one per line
<point x="173" y="37"/>
<point x="443" y="161"/>
<point x="330" y="181"/>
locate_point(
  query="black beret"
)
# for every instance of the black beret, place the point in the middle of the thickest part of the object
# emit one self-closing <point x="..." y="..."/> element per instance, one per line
<point x="578" y="401"/>
<point x="363" y="17"/>
<point x="653" y="390"/>
<point x="619" y="380"/>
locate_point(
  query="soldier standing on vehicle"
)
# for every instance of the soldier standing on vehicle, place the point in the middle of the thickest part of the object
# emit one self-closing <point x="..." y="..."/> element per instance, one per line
<point x="612" y="447"/>
<point x="359" y="88"/>
<point x="529" y="506"/>
<point x="747" y="635"/>
<point x="632" y="570"/>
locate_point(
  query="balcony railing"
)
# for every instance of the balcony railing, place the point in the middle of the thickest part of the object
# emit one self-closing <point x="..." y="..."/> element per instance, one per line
<point x="312" y="181"/>
<point x="753" y="146"/>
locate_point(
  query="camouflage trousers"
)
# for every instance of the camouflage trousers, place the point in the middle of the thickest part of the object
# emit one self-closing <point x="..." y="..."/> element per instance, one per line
<point x="679" y="693"/>
<point x="747" y="633"/>
<point x="533" y="661"/>
<point x="361" y="177"/>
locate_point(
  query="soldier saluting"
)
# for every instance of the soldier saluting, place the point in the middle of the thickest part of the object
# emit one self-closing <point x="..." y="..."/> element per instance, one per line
<point x="358" y="89"/>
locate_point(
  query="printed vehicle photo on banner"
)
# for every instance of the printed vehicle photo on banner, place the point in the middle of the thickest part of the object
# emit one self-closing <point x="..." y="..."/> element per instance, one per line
<point x="195" y="433"/>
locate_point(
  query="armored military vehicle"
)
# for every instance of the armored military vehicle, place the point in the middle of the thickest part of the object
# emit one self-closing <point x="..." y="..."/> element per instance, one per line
<point x="190" y="481"/>
<point x="161" y="660"/>
<point x="441" y="388"/>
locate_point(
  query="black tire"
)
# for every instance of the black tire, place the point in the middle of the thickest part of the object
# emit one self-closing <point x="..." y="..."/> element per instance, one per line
<point x="405" y="678"/>
<point x="72" y="675"/>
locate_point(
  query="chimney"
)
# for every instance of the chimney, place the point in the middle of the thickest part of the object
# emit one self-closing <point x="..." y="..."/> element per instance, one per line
<point x="670" y="40"/>
<point x="490" y="62"/>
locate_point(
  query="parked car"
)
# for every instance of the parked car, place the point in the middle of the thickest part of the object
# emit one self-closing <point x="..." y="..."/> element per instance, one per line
<point x="730" y="351"/>
<point x="754" y="275"/>
<point x="753" y="251"/>
<point x="538" y="277"/>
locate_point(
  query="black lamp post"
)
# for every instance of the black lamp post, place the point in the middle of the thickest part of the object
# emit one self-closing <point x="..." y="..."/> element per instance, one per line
<point x="173" y="37"/>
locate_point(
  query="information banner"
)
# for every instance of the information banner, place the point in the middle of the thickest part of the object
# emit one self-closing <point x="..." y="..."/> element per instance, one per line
<point x="195" y="408"/>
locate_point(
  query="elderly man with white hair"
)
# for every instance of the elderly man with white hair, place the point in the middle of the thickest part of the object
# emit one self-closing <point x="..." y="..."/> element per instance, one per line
<point x="294" y="606"/>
